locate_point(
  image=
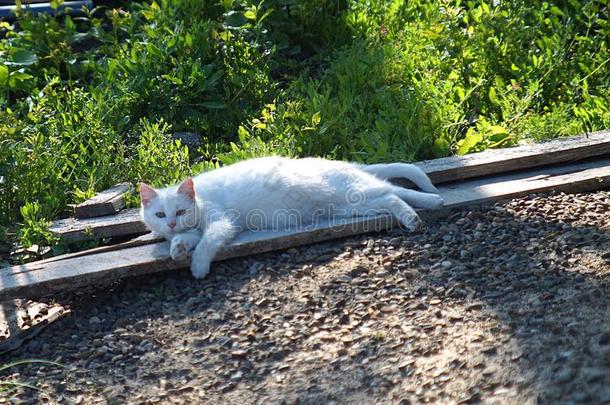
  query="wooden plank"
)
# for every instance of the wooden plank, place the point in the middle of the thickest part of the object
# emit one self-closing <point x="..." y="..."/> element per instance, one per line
<point x="107" y="202"/>
<point x="20" y="321"/>
<point x="494" y="161"/>
<point x="36" y="279"/>
<point x="573" y="178"/>
<point x="127" y="222"/>
<point x="145" y="239"/>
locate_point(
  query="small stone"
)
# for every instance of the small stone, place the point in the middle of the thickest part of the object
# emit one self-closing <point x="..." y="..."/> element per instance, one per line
<point x="140" y="325"/>
<point x="191" y="302"/>
<point x="227" y="387"/>
<point x="255" y="269"/>
<point x="239" y="353"/>
<point x="604" y="338"/>
<point x="262" y="302"/>
<point x="395" y="241"/>
<point x="490" y="350"/>
<point x="446" y="264"/>
<point x="405" y="364"/>
<point x="94" y="320"/>
<point x="564" y="375"/>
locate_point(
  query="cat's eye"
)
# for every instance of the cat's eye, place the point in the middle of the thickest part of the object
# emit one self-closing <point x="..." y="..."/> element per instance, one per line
<point x="160" y="214"/>
<point x="180" y="212"/>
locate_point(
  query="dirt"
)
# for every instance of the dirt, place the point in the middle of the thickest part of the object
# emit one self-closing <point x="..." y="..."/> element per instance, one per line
<point x="505" y="304"/>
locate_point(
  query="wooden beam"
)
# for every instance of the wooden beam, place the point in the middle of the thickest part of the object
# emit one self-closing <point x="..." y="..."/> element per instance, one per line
<point x="107" y="202"/>
<point x="445" y="170"/>
<point x="494" y="161"/>
<point x="124" y="223"/>
<point x="571" y="178"/>
<point x="145" y="239"/>
<point x="20" y="321"/>
<point x="35" y="279"/>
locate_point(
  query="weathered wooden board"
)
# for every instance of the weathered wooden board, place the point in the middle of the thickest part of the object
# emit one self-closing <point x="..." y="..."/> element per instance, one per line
<point x="145" y="239"/>
<point x="20" y="321"/>
<point x="445" y="170"/>
<point x="573" y="178"/>
<point x="36" y="279"/>
<point x="125" y="222"/>
<point x="107" y="202"/>
<point x="494" y="161"/>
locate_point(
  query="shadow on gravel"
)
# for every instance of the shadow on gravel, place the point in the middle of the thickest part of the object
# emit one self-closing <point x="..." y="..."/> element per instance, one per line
<point x="547" y="281"/>
<point x="338" y="322"/>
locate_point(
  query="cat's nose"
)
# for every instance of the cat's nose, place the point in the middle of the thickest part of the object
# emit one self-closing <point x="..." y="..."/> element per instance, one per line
<point x="171" y="225"/>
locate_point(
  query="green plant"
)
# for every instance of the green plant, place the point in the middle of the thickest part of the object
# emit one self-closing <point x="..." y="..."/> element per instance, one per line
<point x="7" y="386"/>
<point x="92" y="100"/>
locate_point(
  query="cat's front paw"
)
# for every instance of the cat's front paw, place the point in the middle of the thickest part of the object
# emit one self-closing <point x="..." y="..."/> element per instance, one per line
<point x="200" y="270"/>
<point x="179" y="249"/>
<point x="200" y="265"/>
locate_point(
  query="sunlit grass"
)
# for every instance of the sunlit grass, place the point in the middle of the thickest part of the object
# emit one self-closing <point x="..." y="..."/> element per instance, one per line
<point x="91" y="101"/>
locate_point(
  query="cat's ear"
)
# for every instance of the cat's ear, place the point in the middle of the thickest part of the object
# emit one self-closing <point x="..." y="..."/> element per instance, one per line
<point x="147" y="194"/>
<point x="187" y="188"/>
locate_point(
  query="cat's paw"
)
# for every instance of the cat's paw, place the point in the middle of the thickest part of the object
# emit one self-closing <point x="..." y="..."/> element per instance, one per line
<point x="410" y="222"/>
<point x="200" y="265"/>
<point x="434" y="201"/>
<point x="179" y="249"/>
<point x="199" y="270"/>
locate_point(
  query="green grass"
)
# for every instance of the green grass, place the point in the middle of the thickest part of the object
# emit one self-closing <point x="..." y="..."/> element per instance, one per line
<point x="93" y="100"/>
<point x="9" y="387"/>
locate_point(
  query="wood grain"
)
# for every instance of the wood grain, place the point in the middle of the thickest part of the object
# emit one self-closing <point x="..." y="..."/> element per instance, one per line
<point x="20" y="321"/>
<point x="494" y="161"/>
<point x="43" y="278"/>
<point x="107" y="202"/>
<point x="125" y="222"/>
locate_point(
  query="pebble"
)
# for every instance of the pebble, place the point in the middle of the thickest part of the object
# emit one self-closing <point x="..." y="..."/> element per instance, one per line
<point x="564" y="375"/>
<point x="191" y="302"/>
<point x="94" y="320"/>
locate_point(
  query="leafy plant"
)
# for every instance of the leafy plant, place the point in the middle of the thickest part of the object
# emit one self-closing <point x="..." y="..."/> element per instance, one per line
<point x="92" y="100"/>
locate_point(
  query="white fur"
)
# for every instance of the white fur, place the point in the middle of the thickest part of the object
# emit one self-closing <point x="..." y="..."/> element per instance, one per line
<point x="277" y="193"/>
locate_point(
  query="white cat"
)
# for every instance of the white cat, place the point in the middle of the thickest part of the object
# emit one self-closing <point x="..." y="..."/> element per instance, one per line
<point x="274" y="193"/>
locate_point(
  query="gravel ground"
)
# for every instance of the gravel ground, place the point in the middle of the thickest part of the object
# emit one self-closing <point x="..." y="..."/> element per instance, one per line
<point x="504" y="304"/>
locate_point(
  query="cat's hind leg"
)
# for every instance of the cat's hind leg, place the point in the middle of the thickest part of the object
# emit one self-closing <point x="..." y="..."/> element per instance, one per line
<point x="398" y="208"/>
<point x="419" y="199"/>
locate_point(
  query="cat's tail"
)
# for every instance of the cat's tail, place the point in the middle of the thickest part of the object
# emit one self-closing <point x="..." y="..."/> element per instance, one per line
<point x="401" y="170"/>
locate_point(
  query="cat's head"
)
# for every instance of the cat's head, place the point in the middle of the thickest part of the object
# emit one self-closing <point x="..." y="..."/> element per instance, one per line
<point x="170" y="210"/>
